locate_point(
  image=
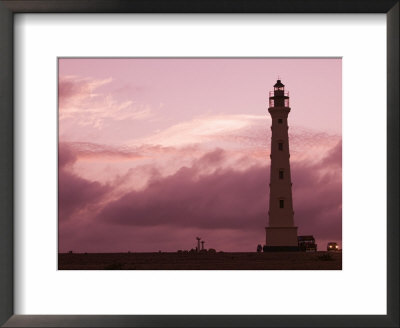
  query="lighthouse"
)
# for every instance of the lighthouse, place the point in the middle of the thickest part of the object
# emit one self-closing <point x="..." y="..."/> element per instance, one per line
<point x="281" y="233"/>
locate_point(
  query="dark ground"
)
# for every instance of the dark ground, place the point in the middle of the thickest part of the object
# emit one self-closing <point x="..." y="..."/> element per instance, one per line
<point x="194" y="261"/>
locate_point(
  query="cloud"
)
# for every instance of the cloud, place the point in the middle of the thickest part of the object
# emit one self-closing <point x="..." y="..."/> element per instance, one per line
<point x="186" y="199"/>
<point x="72" y="88"/>
<point x="87" y="102"/>
<point x="229" y="199"/>
<point x="87" y="150"/>
<point x="202" y="130"/>
<point x="334" y="157"/>
<point x="240" y="134"/>
<point x="317" y="200"/>
<point x="213" y="193"/>
<point x="75" y="194"/>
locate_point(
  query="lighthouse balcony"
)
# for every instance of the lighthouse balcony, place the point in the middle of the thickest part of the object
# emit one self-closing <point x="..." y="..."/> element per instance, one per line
<point x="278" y="94"/>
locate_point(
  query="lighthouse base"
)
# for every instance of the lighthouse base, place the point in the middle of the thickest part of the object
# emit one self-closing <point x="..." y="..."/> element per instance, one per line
<point x="281" y="237"/>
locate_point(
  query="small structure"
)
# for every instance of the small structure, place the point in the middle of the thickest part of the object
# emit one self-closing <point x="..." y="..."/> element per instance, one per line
<point x="202" y="245"/>
<point x="307" y="243"/>
<point x="198" y="244"/>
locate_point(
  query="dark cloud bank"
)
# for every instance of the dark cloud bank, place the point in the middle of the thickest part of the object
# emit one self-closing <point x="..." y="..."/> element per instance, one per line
<point x="226" y="203"/>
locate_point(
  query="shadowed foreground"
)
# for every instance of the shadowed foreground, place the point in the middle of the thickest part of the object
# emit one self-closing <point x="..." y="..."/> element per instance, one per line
<point x="190" y="261"/>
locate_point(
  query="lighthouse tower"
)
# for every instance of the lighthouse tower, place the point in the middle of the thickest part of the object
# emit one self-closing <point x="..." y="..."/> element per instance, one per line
<point x="281" y="234"/>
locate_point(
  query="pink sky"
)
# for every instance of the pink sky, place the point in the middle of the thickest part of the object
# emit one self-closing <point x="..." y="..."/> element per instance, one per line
<point x="154" y="152"/>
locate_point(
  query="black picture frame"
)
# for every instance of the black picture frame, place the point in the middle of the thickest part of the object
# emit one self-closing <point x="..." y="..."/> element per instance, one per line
<point x="10" y="7"/>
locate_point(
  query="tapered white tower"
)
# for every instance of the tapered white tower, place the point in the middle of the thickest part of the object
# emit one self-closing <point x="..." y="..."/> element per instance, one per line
<point x="281" y="234"/>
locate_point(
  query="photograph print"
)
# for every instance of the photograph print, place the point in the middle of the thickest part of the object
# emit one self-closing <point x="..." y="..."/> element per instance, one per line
<point x="200" y="163"/>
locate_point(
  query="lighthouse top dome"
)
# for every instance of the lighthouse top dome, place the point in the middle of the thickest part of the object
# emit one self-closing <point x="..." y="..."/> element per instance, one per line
<point x="279" y="97"/>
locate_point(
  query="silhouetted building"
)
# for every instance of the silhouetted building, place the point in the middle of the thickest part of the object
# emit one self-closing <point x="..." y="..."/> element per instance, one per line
<point x="307" y="243"/>
<point x="198" y="244"/>
<point x="281" y="234"/>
